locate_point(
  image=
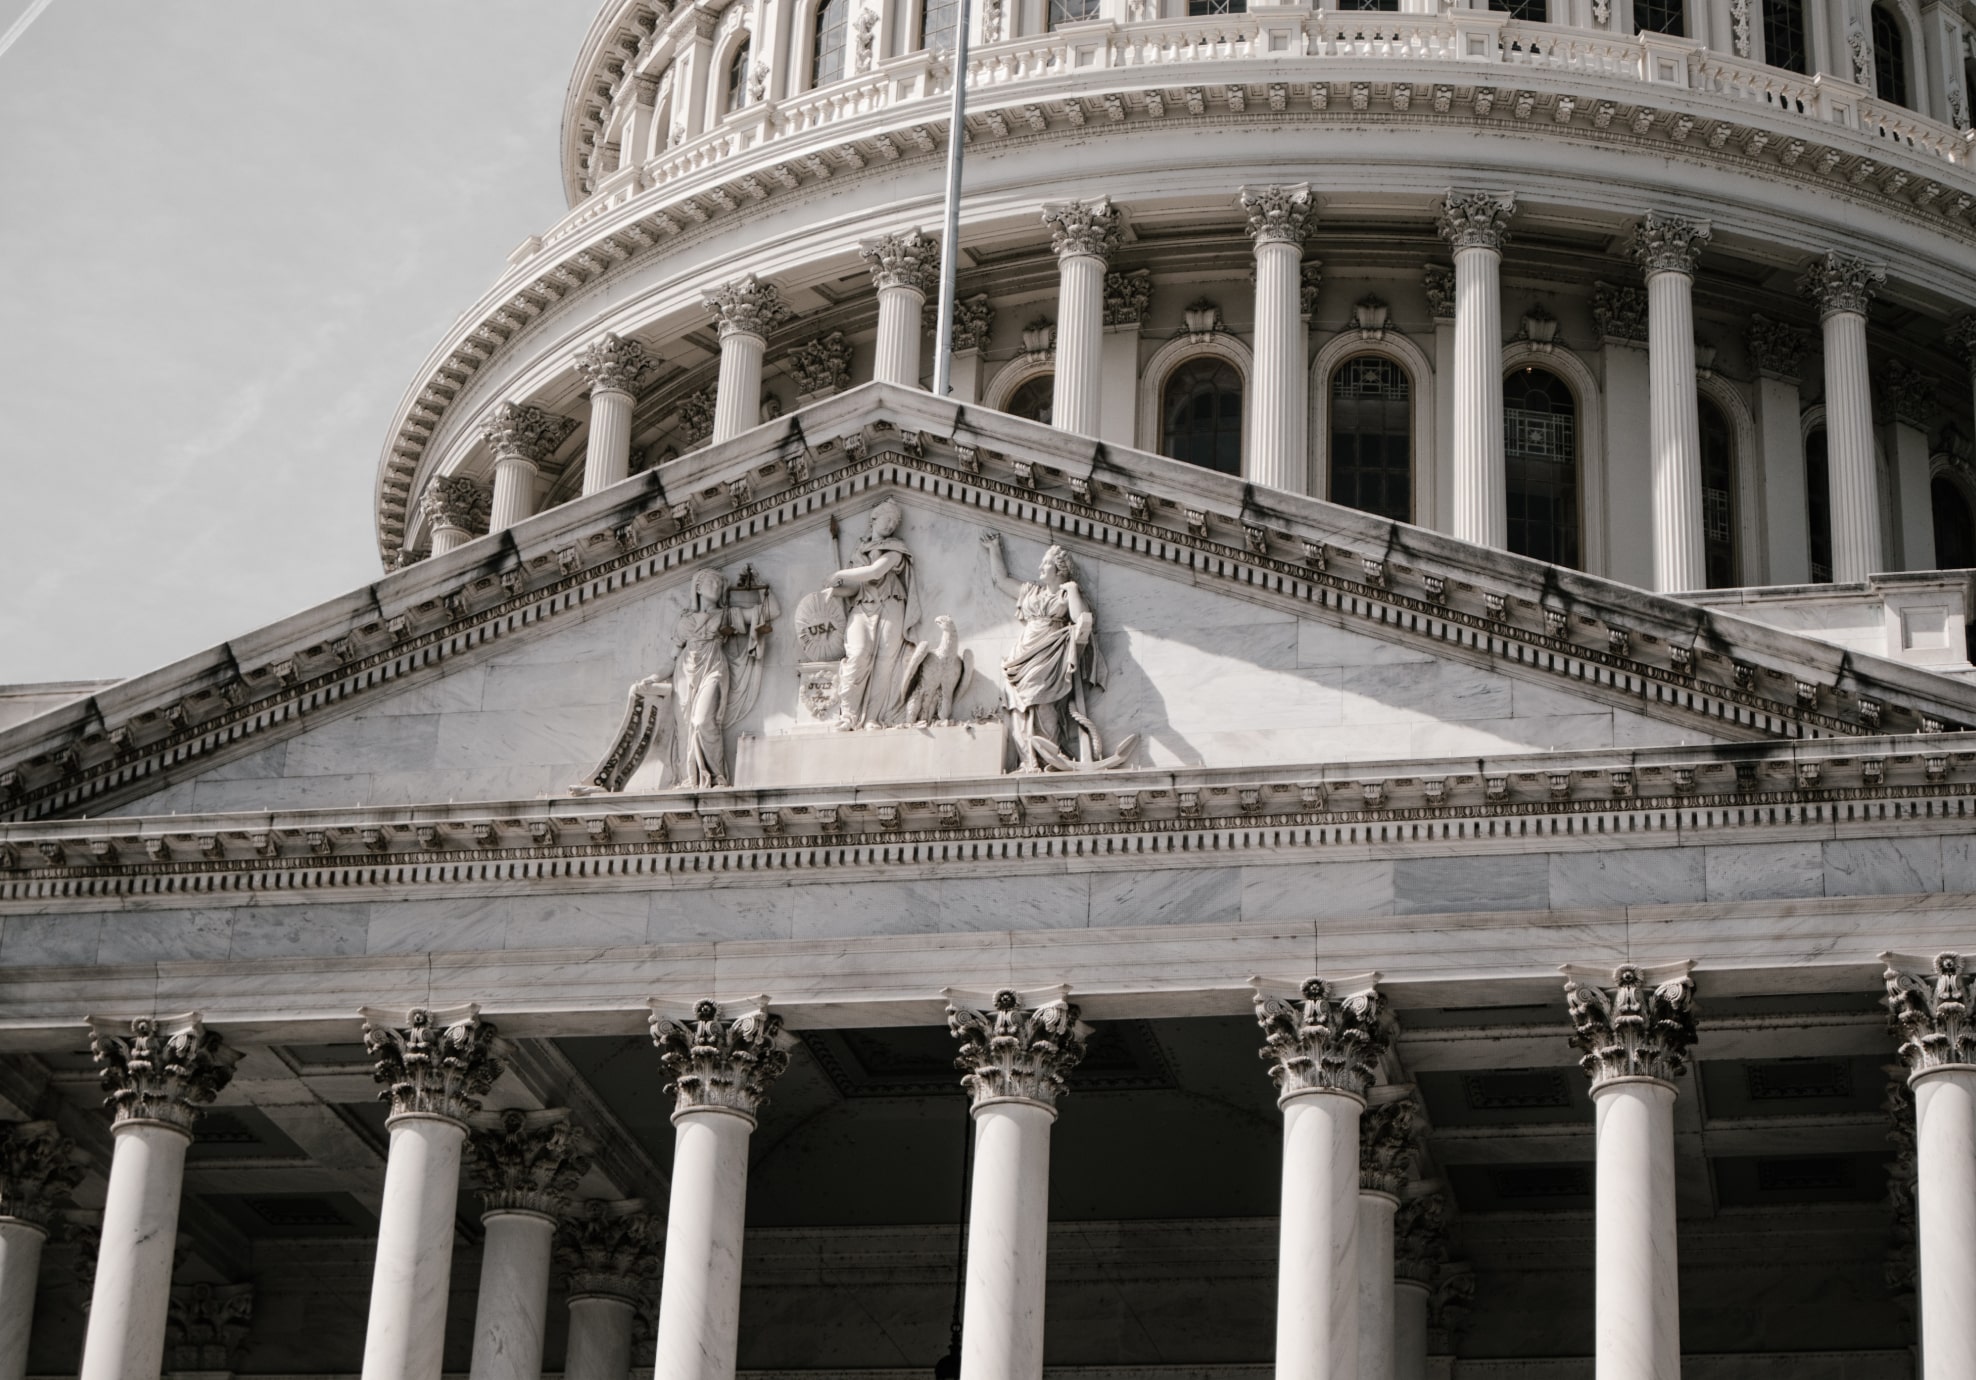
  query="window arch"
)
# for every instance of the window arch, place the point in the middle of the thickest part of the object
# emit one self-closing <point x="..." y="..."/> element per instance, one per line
<point x="1955" y="523"/>
<point x="736" y="94"/>
<point x="827" y="46"/>
<point x="1201" y="414"/>
<point x="1540" y="453"/>
<point x="1718" y="497"/>
<point x="1818" y="505"/>
<point x="1660" y="17"/>
<point x="938" y="20"/>
<point x="1371" y="440"/>
<point x="1889" y="56"/>
<point x="1033" y="398"/>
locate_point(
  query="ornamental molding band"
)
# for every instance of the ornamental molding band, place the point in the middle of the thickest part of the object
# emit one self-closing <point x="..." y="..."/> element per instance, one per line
<point x="1928" y="1007"/>
<point x="747" y="306"/>
<point x="438" y="1063"/>
<point x="610" y="1249"/>
<point x="1476" y="220"/>
<point x="1127" y="295"/>
<point x="1777" y="348"/>
<point x="526" y="1161"/>
<point x="1664" y="243"/>
<point x="206" y="1328"/>
<point x="614" y="364"/>
<point x="39" y="1167"/>
<point x="1323" y="1035"/>
<point x="1620" y="313"/>
<point x="1842" y="283"/>
<point x="1016" y="1046"/>
<point x="160" y="1070"/>
<point x="1632" y="1021"/>
<point x="720" y="1057"/>
<point x="453" y="500"/>
<point x="1083" y="227"/>
<point x="1387" y="1145"/>
<point x="821" y="366"/>
<point x="1420" y="1238"/>
<point x="907" y="259"/>
<point x="523" y="431"/>
<point x="1279" y="215"/>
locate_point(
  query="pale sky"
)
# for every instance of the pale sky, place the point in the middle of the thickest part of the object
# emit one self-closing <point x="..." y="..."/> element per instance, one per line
<point x="229" y="232"/>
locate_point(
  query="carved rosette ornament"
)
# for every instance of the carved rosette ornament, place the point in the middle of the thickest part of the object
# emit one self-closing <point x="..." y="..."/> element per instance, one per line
<point x="720" y="1057"/>
<point x="160" y="1070"/>
<point x="523" y="431"/>
<point x="206" y="1327"/>
<point x="438" y="1063"/>
<point x="1641" y="1026"/>
<point x="1476" y="220"/>
<point x="1127" y="295"/>
<point x="1329" y="1036"/>
<point x="908" y="259"/>
<point x="1619" y="313"/>
<point x="1928" y="1007"/>
<point x="613" y="364"/>
<point x="611" y="1249"/>
<point x="1083" y="227"/>
<point x="453" y="500"/>
<point x="1016" y="1046"/>
<point x="1420" y="1238"/>
<point x="1279" y="215"/>
<point x="1777" y="347"/>
<point x="1665" y="243"/>
<point x="39" y="1166"/>
<point x="821" y="366"/>
<point x="526" y="1161"/>
<point x="1386" y="1146"/>
<point x="1842" y="283"/>
<point x="747" y="306"/>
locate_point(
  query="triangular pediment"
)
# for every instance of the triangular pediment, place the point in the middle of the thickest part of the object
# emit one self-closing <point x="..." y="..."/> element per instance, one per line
<point x="1237" y="629"/>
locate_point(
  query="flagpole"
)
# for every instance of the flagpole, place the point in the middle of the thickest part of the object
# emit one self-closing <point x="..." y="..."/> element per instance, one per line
<point x="943" y="330"/>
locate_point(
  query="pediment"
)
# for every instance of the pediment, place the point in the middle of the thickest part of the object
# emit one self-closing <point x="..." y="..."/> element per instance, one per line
<point x="1234" y="632"/>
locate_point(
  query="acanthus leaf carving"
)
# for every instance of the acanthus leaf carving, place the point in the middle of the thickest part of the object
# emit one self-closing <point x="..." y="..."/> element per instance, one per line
<point x="1279" y="214"/>
<point x="822" y="366"/>
<point x="1620" y="312"/>
<point x="1777" y="347"/>
<point x="747" y="306"/>
<point x="453" y="500"/>
<point x="1386" y="1146"/>
<point x="526" y="1161"/>
<point x="1016" y="1046"/>
<point x="720" y="1056"/>
<point x="1908" y="393"/>
<point x="1420" y="1238"/>
<point x="523" y="431"/>
<point x="1637" y="1023"/>
<point x="1928" y="1008"/>
<point x="1323" y="1036"/>
<point x="206" y="1327"/>
<point x="1842" y="283"/>
<point x="907" y="259"/>
<point x="972" y="318"/>
<point x="1439" y="284"/>
<point x="160" y="1069"/>
<point x="1665" y="243"/>
<point x="614" y="363"/>
<point x="1476" y="220"/>
<point x="437" y="1063"/>
<point x="1127" y="296"/>
<point x="696" y="416"/>
<point x="1083" y="227"/>
<point x="610" y="1249"/>
<point x="39" y="1166"/>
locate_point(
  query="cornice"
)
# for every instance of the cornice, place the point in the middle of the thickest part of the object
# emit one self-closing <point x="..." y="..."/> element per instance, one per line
<point x="1606" y="641"/>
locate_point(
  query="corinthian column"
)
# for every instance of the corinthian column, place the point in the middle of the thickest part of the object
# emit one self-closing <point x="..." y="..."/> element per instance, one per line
<point x="721" y="1060"/>
<point x="612" y="366"/>
<point x="1385" y="1158"/>
<point x="522" y="437"/>
<point x="38" y="1167"/>
<point x="1634" y="1036"/>
<point x="746" y="310"/>
<point x="436" y="1066"/>
<point x="158" y="1073"/>
<point x="1843" y="288"/>
<point x="1016" y="1048"/>
<point x="903" y="268"/>
<point x="1420" y="1247"/>
<point x="1324" y="1043"/>
<point x="1084" y="234"/>
<point x="1928" y="1003"/>
<point x="525" y="1163"/>
<point x="1477" y="224"/>
<point x="1667" y="248"/>
<point x="455" y="510"/>
<point x="1279" y="452"/>
<point x="612" y="1269"/>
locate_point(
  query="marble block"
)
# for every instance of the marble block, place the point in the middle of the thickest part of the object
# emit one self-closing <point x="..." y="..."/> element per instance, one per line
<point x="824" y="757"/>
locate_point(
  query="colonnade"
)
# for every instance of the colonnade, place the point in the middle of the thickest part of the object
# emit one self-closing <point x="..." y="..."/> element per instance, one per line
<point x="1351" y="1299"/>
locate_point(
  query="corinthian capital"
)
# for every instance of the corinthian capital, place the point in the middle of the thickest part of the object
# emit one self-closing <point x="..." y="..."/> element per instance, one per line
<point x="611" y="363"/>
<point x="438" y="1063"/>
<point x="1664" y="243"/>
<point x="523" y="431"/>
<point x="1014" y="1046"/>
<point x="723" y="1057"/>
<point x="1928" y="1007"/>
<point x="38" y="1168"/>
<point x="1641" y="1026"/>
<point x="1083" y="227"/>
<point x="526" y="1161"/>
<point x="160" y="1070"/>
<point x="1279" y="215"/>
<point x="907" y="259"/>
<point x="610" y="1249"/>
<point x="1386" y="1146"/>
<point x="1777" y="347"/>
<point x="206" y="1326"/>
<point x="747" y="306"/>
<point x="1420" y="1238"/>
<point x="1962" y="337"/>
<point x="1324" y="1037"/>
<point x="1476" y="220"/>
<point x="453" y="500"/>
<point x="1842" y="283"/>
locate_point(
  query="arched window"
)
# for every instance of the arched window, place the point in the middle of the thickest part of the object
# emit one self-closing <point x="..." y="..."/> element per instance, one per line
<point x="937" y="19"/>
<point x="1784" y="42"/>
<point x="1889" y="56"/>
<point x="737" y="78"/>
<point x="1064" y="12"/>
<point x="1659" y="17"/>
<point x="1033" y="398"/>
<point x="1718" y="498"/>
<point x="1540" y="453"/>
<point x="1372" y="437"/>
<point x="1818" y="506"/>
<point x="833" y="22"/>
<point x="1955" y="525"/>
<point x="1201" y="414"/>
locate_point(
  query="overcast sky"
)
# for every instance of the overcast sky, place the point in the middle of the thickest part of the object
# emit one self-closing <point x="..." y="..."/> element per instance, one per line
<point x="230" y="231"/>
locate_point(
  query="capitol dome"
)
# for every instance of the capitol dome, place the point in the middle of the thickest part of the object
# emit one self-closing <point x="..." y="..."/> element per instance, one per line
<point x="1436" y="549"/>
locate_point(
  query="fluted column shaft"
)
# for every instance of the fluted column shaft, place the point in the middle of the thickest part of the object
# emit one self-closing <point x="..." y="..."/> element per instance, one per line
<point x="1083" y="234"/>
<point x="607" y="458"/>
<point x="514" y="491"/>
<point x="522" y="437"/>
<point x="20" y="1268"/>
<point x="1843" y="288"/>
<point x="904" y="268"/>
<point x="599" y="1338"/>
<point x="1279" y="424"/>
<point x="745" y="310"/>
<point x="512" y="1311"/>
<point x="1667" y="247"/>
<point x="1475" y="224"/>
<point x="446" y="537"/>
